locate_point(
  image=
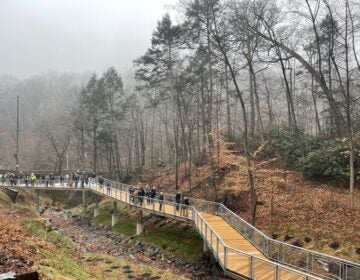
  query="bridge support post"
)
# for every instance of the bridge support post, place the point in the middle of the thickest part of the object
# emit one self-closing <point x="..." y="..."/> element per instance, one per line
<point x="84" y="204"/>
<point x="96" y="209"/>
<point x="37" y="202"/>
<point x="140" y="223"/>
<point x="114" y="217"/>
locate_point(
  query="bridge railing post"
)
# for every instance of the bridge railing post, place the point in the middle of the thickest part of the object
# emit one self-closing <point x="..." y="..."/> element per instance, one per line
<point x="206" y="232"/>
<point x="251" y="268"/>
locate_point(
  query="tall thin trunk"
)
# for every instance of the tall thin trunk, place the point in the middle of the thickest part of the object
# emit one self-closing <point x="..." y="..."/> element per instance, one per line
<point x="268" y="102"/>
<point x="95" y="148"/>
<point x="348" y="108"/>
<point x="252" y="105"/>
<point x="152" y="137"/>
<point x="292" y="117"/>
<point x="257" y="100"/>
<point x="227" y="103"/>
<point x="315" y="106"/>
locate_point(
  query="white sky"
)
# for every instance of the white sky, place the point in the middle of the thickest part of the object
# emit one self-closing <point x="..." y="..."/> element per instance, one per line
<point x="75" y="35"/>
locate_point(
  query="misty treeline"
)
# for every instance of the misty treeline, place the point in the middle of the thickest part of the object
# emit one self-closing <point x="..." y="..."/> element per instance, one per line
<point x="233" y="70"/>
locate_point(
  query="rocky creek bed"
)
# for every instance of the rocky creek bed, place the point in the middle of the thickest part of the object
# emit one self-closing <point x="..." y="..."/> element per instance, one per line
<point x="89" y="237"/>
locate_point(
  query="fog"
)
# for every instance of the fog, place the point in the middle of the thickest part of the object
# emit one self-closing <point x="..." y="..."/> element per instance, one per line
<point x="75" y="36"/>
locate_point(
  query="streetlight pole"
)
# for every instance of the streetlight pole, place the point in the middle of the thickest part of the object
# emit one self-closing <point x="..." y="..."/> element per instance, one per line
<point x="17" y="135"/>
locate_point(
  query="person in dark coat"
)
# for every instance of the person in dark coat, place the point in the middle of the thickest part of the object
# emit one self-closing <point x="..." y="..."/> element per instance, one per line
<point x="161" y="200"/>
<point x="177" y="200"/>
<point x="131" y="194"/>
<point x="141" y="194"/>
<point x="153" y="193"/>
<point x="186" y="203"/>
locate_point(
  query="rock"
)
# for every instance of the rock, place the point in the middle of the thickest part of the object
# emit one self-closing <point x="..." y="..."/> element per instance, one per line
<point x="288" y="237"/>
<point x="28" y="276"/>
<point x="307" y="239"/>
<point x="152" y="251"/>
<point x="298" y="243"/>
<point x="357" y="251"/>
<point x="275" y="235"/>
<point x="334" y="245"/>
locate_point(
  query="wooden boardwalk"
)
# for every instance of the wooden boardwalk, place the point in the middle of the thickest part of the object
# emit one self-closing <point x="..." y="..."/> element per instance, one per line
<point x="237" y="256"/>
<point x="168" y="208"/>
<point x="246" y="267"/>
<point x="240" y="263"/>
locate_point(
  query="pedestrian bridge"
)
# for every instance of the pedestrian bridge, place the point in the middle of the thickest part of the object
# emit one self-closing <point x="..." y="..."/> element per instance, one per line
<point x="242" y="251"/>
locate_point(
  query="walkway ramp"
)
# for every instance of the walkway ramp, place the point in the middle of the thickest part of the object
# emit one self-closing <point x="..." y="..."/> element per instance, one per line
<point x="243" y="251"/>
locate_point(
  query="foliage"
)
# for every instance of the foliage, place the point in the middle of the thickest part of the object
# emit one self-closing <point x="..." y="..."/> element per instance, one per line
<point x="293" y="146"/>
<point x="327" y="161"/>
<point x="312" y="155"/>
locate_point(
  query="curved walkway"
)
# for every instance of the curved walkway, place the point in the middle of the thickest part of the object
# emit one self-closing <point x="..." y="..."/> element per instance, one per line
<point x="242" y="251"/>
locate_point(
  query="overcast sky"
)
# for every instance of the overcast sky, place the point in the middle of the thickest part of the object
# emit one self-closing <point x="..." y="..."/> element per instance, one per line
<point x="75" y="35"/>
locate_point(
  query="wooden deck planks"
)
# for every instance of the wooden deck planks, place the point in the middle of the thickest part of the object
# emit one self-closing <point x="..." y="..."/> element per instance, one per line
<point x="238" y="263"/>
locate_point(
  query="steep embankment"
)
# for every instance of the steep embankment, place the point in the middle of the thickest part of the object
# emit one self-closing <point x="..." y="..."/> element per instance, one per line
<point x="291" y="207"/>
<point x="29" y="244"/>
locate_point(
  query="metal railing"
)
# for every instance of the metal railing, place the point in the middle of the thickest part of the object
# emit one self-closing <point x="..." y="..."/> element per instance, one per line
<point x="308" y="261"/>
<point x="300" y="258"/>
<point x="237" y="263"/>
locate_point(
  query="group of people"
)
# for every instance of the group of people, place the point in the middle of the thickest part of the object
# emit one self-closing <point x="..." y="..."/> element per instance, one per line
<point x="184" y="202"/>
<point x="10" y="179"/>
<point x="137" y="196"/>
<point x="76" y="179"/>
<point x="73" y="180"/>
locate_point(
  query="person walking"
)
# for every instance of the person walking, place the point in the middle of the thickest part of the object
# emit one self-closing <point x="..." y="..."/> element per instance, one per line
<point x="26" y="179"/>
<point x="101" y="182"/>
<point x="161" y="200"/>
<point x="147" y="193"/>
<point x="62" y="178"/>
<point x="32" y="179"/>
<point x="177" y="200"/>
<point x="52" y="179"/>
<point x="76" y="179"/>
<point x="153" y="194"/>
<point x="186" y="206"/>
<point x="86" y="180"/>
<point x="140" y="195"/>
<point x="92" y="178"/>
<point x="47" y="180"/>
<point x="108" y="187"/>
<point x="131" y="194"/>
<point x="67" y="179"/>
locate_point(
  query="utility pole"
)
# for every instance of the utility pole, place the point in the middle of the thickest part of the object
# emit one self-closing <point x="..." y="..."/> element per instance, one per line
<point x="17" y="135"/>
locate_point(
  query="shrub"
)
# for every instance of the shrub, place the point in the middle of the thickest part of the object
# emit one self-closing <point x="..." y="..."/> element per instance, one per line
<point x="312" y="155"/>
<point x="327" y="161"/>
<point x="293" y="146"/>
